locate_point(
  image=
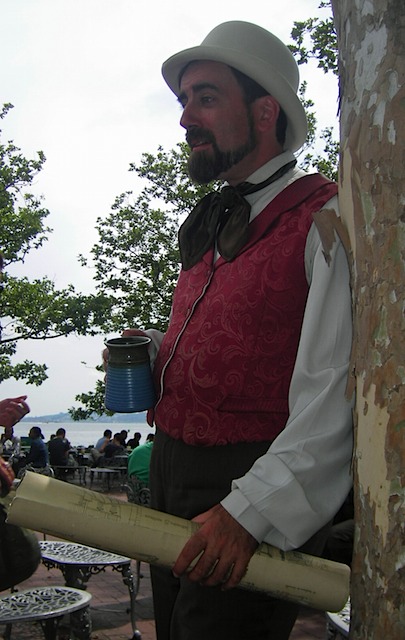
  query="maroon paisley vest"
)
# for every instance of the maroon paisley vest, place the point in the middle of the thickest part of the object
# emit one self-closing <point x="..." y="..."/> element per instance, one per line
<point x="224" y="368"/>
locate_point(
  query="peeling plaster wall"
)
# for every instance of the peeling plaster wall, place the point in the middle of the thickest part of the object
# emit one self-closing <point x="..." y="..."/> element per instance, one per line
<point x="372" y="197"/>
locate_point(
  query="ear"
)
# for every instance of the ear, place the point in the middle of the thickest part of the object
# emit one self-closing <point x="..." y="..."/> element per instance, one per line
<point x="267" y="110"/>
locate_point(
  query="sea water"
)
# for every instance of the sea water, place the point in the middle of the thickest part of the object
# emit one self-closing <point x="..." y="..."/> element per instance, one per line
<point x="83" y="434"/>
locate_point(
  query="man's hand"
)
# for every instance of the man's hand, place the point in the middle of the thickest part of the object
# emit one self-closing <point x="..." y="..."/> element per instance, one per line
<point x="222" y="548"/>
<point x="12" y="410"/>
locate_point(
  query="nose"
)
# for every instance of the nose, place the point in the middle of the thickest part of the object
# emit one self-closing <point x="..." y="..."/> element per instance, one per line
<point x="188" y="117"/>
<point x="184" y="118"/>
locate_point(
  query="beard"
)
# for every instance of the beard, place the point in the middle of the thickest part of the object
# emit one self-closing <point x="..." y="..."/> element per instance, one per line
<point x="205" y="166"/>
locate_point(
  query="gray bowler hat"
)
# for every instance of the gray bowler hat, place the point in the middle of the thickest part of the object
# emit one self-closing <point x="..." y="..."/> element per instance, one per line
<point x="258" y="54"/>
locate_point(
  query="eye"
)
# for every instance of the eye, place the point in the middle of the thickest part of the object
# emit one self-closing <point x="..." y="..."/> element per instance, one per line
<point x="182" y="101"/>
<point x="206" y="99"/>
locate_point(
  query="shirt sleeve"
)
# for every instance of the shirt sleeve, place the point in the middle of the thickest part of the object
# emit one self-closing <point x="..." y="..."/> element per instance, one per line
<point x="303" y="479"/>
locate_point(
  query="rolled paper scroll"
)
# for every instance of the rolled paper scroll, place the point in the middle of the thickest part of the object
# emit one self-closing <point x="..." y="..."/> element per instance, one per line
<point x="77" y="514"/>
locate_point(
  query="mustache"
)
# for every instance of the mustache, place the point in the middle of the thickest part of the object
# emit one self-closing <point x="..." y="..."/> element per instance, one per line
<point x="197" y="135"/>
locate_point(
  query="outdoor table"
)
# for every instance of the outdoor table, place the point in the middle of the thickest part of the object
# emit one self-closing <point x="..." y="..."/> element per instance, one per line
<point x="48" y="605"/>
<point x="107" y="474"/>
<point x="338" y="624"/>
<point x="78" y="563"/>
<point x="62" y="472"/>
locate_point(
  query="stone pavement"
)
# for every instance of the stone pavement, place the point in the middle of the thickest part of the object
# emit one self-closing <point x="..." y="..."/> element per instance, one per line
<point x="109" y="608"/>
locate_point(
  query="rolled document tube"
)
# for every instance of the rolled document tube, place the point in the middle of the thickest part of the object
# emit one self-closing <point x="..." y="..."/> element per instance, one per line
<point x="77" y="514"/>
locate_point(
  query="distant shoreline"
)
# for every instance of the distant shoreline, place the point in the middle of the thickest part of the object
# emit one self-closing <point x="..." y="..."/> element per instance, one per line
<point x="117" y="418"/>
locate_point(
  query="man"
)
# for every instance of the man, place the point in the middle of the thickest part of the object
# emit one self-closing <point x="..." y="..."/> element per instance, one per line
<point x="38" y="455"/>
<point x="114" y="447"/>
<point x="58" y="449"/>
<point x="104" y="440"/>
<point x="253" y="433"/>
<point x="134" y="442"/>
<point x="9" y="443"/>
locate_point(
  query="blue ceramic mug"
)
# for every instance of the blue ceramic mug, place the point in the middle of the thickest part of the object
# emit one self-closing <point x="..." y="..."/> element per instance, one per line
<point x="129" y="385"/>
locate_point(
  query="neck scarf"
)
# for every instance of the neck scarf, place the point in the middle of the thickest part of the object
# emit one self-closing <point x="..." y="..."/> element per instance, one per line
<point x="222" y="216"/>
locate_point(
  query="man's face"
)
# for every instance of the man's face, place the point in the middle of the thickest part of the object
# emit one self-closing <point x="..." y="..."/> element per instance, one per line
<point x="220" y="129"/>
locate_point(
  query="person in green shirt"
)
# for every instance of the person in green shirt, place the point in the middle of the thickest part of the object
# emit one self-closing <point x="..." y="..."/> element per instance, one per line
<point x="139" y="460"/>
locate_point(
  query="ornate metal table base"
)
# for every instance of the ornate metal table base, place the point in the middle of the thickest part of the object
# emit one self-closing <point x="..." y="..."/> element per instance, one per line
<point x="78" y="563"/>
<point x="48" y="605"/>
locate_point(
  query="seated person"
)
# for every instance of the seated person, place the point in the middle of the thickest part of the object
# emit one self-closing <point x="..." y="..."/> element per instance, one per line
<point x="9" y="443"/>
<point x="139" y="461"/>
<point x="38" y="454"/>
<point x="134" y="442"/>
<point x="97" y="452"/>
<point x="103" y="441"/>
<point x="59" y="457"/>
<point x="113" y="448"/>
<point x="58" y="449"/>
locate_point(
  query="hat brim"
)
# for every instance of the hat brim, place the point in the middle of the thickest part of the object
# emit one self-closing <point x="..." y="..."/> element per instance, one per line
<point x="255" y="68"/>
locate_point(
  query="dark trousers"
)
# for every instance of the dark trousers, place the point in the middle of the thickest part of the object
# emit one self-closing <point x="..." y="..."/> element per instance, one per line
<point x="186" y="481"/>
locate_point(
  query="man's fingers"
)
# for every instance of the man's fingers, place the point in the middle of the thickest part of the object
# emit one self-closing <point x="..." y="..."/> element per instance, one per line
<point x="208" y="569"/>
<point x="105" y="358"/>
<point x="133" y="332"/>
<point x="237" y="572"/>
<point x="191" y="551"/>
<point x="218" y="553"/>
<point x="220" y="574"/>
<point x="24" y="408"/>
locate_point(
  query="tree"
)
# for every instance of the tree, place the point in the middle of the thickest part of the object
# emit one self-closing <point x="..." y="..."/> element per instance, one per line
<point x="316" y="39"/>
<point x="372" y="131"/>
<point x="32" y="310"/>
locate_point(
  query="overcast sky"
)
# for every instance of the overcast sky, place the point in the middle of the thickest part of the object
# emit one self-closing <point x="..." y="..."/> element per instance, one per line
<point x="84" y="78"/>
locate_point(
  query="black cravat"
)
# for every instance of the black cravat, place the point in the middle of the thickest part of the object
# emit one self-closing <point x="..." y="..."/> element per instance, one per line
<point x="222" y="216"/>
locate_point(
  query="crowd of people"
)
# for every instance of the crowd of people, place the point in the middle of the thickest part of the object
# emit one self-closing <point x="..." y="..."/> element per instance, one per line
<point x="109" y="446"/>
<point x="40" y="455"/>
<point x="58" y="453"/>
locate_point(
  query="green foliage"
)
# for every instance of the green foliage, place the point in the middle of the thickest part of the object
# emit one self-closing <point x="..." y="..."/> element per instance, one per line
<point x="93" y="403"/>
<point x="29" y="371"/>
<point x="316" y="39"/>
<point x="22" y="216"/>
<point x="32" y="309"/>
<point x="136" y="259"/>
<point x="327" y="161"/>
